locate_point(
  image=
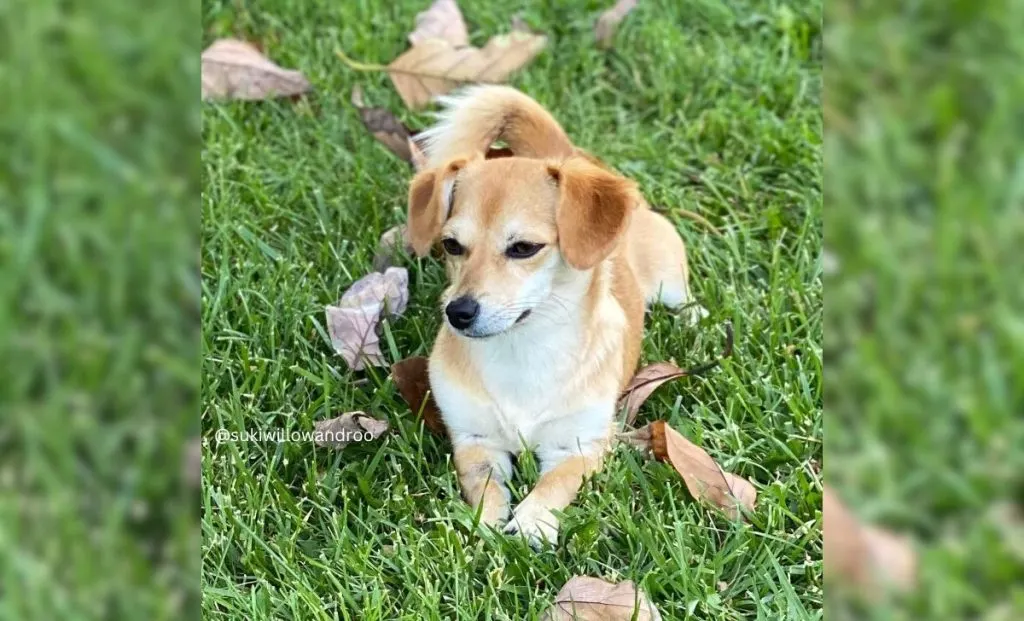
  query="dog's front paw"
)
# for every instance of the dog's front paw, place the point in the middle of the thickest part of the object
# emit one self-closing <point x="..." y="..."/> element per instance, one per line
<point x="537" y="523"/>
<point x="494" y="514"/>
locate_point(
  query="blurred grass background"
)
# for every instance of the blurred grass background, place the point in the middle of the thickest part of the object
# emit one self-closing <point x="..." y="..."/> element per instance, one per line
<point x="924" y="336"/>
<point x="99" y="216"/>
<point x="99" y="321"/>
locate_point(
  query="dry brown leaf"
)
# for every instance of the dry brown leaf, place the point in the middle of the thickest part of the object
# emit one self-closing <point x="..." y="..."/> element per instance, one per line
<point x="443" y="20"/>
<point x="608" y="22"/>
<point x="393" y="243"/>
<point x="434" y="66"/>
<point x="643" y="385"/>
<point x="742" y="489"/>
<point x="349" y="427"/>
<point x="649" y="378"/>
<point x="703" y="477"/>
<point x="413" y="383"/>
<point x="639" y="439"/>
<point x="233" y="69"/>
<point x="384" y="126"/>
<point x="353" y="323"/>
<point x="584" y="598"/>
<point x="863" y="558"/>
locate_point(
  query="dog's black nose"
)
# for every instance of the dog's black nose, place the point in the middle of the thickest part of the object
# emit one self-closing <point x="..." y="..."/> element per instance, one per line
<point x="462" y="311"/>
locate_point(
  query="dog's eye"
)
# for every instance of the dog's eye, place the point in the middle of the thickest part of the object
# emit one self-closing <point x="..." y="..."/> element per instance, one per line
<point x="522" y="250"/>
<point x="451" y="246"/>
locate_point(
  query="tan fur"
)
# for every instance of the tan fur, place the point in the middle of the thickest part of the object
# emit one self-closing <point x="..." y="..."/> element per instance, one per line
<point x="427" y="206"/>
<point x="547" y="382"/>
<point x="482" y="481"/>
<point x="593" y="211"/>
<point x="484" y="115"/>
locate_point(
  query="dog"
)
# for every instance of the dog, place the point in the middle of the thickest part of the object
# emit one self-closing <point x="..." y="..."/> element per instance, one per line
<point x="552" y="258"/>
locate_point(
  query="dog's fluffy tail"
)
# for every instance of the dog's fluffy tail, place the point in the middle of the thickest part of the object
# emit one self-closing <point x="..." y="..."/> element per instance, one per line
<point x="479" y="116"/>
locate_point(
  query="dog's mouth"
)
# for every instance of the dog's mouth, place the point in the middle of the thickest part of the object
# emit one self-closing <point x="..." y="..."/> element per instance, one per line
<point x="474" y="334"/>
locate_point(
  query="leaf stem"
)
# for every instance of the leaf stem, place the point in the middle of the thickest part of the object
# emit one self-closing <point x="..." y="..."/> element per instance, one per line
<point x="355" y="64"/>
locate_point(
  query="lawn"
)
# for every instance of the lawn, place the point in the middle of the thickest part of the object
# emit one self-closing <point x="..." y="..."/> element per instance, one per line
<point x="713" y="107"/>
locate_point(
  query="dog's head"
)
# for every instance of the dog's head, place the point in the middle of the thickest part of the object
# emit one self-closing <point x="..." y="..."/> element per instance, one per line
<point x="513" y="229"/>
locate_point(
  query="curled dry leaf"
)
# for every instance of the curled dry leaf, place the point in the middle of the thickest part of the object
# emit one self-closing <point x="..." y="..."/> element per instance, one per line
<point x="703" y="477"/>
<point x="233" y="69"/>
<point x="393" y="243"/>
<point x="608" y="22"/>
<point x="649" y="378"/>
<point x="386" y="128"/>
<point x="353" y="323"/>
<point x="413" y="383"/>
<point x="434" y="66"/>
<point x="643" y="385"/>
<point x="349" y="427"/>
<point x="584" y="598"/>
<point x="443" y="20"/>
<point x="639" y="439"/>
<point x="862" y="558"/>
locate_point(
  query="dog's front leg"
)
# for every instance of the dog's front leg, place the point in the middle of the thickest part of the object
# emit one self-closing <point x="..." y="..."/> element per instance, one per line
<point x="562" y="474"/>
<point x="483" y="472"/>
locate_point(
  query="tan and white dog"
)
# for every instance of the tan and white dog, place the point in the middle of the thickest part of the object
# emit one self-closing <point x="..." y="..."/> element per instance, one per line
<point x="551" y="257"/>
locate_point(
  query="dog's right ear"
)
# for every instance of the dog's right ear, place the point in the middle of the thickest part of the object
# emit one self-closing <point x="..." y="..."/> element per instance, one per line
<point x="430" y="203"/>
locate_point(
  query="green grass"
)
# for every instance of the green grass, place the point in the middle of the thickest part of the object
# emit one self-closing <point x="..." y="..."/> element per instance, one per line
<point x="712" y="107"/>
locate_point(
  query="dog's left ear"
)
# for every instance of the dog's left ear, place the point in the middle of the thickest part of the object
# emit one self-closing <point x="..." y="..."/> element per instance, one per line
<point x="430" y="204"/>
<point x="593" y="210"/>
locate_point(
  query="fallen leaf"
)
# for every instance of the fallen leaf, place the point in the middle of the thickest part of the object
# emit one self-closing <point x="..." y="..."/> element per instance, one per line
<point x="639" y="439"/>
<point x="608" y="22"/>
<point x="643" y="385"/>
<point x="649" y="378"/>
<point x="584" y="598"/>
<point x="703" y="477"/>
<point x="384" y="126"/>
<point x="353" y="323"/>
<point x="233" y="69"/>
<point x="863" y="558"/>
<point x="413" y="383"/>
<point x="434" y="66"/>
<point x="393" y="243"/>
<point x="443" y="20"/>
<point x="742" y="490"/>
<point x="349" y="427"/>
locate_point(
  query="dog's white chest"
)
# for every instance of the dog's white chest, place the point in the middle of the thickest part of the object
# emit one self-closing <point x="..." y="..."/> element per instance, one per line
<point x="535" y="390"/>
<point x="527" y="381"/>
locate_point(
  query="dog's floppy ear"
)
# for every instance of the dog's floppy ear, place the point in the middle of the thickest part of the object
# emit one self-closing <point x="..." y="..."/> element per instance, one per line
<point x="593" y="210"/>
<point x="430" y="204"/>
